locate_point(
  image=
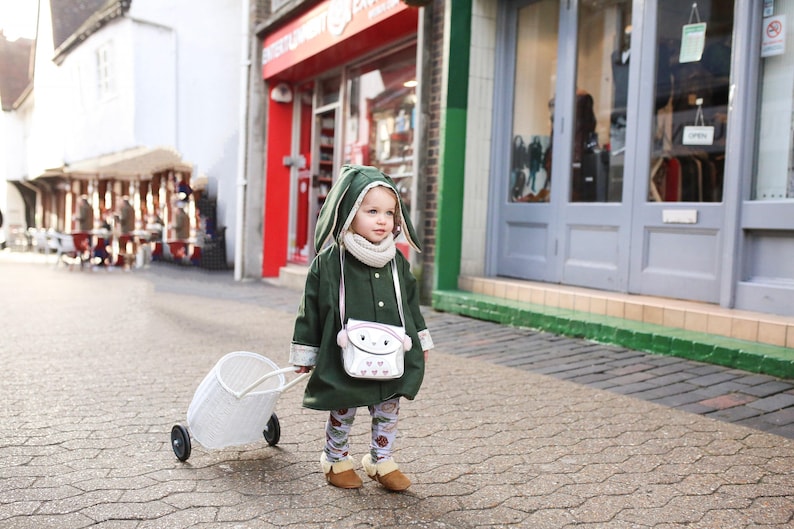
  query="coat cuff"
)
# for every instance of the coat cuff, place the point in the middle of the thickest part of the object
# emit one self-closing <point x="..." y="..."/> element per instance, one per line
<point x="425" y="340"/>
<point x="303" y="355"/>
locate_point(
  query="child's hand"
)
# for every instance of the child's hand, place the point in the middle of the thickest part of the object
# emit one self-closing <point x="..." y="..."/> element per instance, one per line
<point x="303" y="369"/>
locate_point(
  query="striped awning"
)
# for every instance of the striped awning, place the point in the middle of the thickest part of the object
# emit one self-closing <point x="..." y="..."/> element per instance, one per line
<point x="138" y="162"/>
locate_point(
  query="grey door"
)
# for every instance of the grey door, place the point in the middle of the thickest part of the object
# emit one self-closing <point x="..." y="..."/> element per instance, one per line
<point x="568" y="113"/>
<point x="610" y="171"/>
<point x="524" y="224"/>
<point x="679" y="215"/>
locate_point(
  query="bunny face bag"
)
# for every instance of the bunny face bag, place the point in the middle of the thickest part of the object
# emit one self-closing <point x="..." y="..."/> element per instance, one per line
<point x="372" y="350"/>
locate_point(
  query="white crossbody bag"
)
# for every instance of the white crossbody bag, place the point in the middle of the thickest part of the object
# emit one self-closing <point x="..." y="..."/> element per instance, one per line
<point x="372" y="350"/>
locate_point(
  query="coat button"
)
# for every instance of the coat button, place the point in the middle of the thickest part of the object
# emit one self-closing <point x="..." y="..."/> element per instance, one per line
<point x="377" y="275"/>
<point x="380" y="303"/>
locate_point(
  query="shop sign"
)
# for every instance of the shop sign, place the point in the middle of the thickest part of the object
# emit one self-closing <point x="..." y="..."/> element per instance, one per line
<point x="322" y="27"/>
<point x="773" y="37"/>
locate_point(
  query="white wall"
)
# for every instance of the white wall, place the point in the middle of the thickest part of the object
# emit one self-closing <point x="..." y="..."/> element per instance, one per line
<point x="155" y="71"/>
<point x="12" y="138"/>
<point x="478" y="137"/>
<point x="47" y="120"/>
<point x="206" y="57"/>
<point x="99" y="124"/>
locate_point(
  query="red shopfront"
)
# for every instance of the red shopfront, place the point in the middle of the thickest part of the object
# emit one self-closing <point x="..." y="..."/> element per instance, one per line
<point x="342" y="89"/>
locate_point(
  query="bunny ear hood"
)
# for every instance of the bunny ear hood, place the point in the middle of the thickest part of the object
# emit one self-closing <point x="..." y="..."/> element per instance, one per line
<point x="344" y="198"/>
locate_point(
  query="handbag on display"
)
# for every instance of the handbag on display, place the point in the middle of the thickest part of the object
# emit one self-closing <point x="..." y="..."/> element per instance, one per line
<point x="372" y="350"/>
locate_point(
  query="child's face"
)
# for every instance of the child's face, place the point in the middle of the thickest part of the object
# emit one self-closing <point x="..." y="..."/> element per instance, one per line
<point x="374" y="220"/>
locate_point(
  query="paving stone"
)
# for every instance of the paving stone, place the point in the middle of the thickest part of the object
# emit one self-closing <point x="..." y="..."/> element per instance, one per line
<point x="712" y="378"/>
<point x="770" y="388"/>
<point x="727" y="401"/>
<point x="774" y="402"/>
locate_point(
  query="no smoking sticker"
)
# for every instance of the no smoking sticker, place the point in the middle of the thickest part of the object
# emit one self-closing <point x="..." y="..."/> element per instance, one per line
<point x="773" y="39"/>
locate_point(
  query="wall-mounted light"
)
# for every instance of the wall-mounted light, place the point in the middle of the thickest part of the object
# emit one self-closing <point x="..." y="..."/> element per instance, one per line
<point x="410" y="84"/>
<point x="281" y="93"/>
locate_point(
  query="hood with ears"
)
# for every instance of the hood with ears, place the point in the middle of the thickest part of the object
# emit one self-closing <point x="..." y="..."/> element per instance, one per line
<point x="344" y="199"/>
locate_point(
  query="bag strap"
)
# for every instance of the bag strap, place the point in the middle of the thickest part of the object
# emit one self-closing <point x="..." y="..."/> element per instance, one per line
<point x="342" y="287"/>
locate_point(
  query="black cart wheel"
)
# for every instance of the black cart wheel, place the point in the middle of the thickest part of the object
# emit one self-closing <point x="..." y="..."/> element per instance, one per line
<point x="180" y="442"/>
<point x="272" y="431"/>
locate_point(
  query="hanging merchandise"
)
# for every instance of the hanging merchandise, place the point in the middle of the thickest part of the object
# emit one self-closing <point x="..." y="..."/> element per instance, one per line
<point x="693" y="38"/>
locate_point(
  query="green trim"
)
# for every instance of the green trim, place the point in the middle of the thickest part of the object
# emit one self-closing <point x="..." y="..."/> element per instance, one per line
<point x="452" y="142"/>
<point x="459" y="39"/>
<point x="730" y="352"/>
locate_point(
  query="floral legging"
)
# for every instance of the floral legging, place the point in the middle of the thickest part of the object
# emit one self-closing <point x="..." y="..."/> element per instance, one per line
<point x="384" y="431"/>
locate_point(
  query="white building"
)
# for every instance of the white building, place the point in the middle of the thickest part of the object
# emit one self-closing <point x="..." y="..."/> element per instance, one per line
<point x="130" y="98"/>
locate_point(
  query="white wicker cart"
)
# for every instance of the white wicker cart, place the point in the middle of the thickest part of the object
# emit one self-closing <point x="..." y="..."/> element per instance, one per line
<point x="234" y="404"/>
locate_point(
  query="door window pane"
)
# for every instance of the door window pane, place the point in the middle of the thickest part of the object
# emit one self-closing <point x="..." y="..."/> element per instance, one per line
<point x="691" y="100"/>
<point x="602" y="79"/>
<point x="533" y="103"/>
<point x="774" y="173"/>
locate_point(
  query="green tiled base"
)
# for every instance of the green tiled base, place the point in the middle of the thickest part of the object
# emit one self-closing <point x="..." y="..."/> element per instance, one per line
<point x="730" y="352"/>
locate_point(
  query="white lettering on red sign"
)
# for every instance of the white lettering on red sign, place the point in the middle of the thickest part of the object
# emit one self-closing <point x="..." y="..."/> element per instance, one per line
<point x="339" y="16"/>
<point x="333" y="20"/>
<point x="313" y="28"/>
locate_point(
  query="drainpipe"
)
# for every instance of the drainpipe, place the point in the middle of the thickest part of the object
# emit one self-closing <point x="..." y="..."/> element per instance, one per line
<point x="242" y="146"/>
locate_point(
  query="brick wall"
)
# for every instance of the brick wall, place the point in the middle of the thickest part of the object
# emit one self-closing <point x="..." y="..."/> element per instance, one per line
<point x="435" y="50"/>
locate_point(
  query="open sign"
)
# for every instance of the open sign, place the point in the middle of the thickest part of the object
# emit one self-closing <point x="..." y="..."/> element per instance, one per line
<point x="698" y="135"/>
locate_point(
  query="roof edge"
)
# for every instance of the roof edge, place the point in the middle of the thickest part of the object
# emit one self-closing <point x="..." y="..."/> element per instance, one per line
<point x="111" y="10"/>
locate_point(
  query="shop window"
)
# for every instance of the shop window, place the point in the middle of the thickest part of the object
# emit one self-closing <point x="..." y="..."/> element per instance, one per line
<point x="533" y="104"/>
<point x="381" y="117"/>
<point x="774" y="171"/>
<point x="602" y="85"/>
<point x="691" y="100"/>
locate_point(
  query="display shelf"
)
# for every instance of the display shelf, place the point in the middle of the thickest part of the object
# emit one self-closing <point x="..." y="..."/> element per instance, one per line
<point x="325" y="142"/>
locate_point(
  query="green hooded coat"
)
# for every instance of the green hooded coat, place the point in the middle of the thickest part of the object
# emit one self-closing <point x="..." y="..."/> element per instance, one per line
<point x="369" y="295"/>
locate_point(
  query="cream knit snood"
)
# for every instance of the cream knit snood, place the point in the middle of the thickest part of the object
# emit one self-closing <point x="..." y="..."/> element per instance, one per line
<point x="375" y="255"/>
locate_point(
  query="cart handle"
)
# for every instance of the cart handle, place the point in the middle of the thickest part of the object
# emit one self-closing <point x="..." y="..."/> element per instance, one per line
<point x="284" y="370"/>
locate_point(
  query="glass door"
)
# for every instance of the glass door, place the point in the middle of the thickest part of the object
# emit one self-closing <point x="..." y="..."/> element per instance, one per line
<point x="593" y="236"/>
<point x="679" y="217"/>
<point x="523" y="222"/>
<point x="559" y="214"/>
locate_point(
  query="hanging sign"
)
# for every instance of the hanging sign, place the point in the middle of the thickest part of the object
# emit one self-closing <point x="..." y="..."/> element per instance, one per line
<point x="699" y="133"/>
<point x="773" y="37"/>
<point x="693" y="40"/>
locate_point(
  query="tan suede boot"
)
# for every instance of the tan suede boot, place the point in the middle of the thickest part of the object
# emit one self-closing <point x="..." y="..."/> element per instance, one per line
<point x="340" y="474"/>
<point x="386" y="473"/>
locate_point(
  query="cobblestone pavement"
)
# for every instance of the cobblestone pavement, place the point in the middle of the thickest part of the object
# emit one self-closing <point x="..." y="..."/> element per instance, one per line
<point x="98" y="366"/>
<point x="759" y="401"/>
